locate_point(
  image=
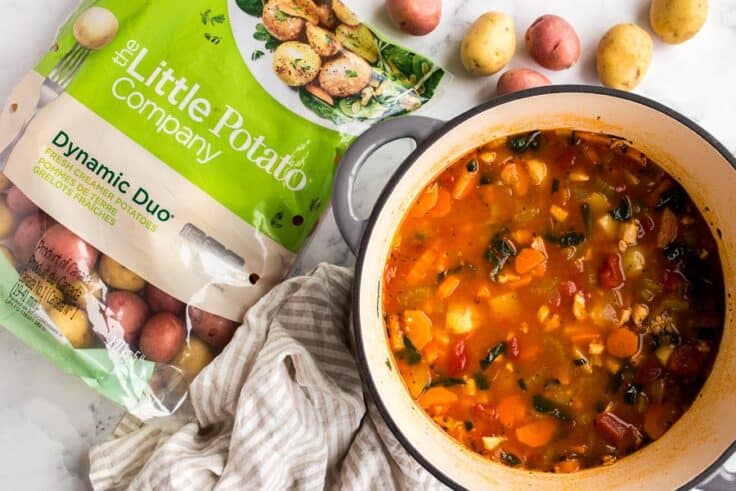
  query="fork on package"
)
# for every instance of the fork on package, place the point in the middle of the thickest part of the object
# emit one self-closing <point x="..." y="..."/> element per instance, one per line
<point x="53" y="85"/>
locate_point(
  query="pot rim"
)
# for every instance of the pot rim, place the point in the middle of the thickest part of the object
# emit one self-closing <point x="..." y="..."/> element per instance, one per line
<point x="399" y="174"/>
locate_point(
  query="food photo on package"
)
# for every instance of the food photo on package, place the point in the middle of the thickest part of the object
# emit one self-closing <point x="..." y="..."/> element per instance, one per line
<point x="160" y="174"/>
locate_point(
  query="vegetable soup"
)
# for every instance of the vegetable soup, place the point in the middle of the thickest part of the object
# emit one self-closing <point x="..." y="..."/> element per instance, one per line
<point x="554" y="300"/>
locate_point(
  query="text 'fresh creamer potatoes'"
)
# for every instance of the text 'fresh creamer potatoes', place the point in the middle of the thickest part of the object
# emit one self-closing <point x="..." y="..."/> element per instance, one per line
<point x="162" y="166"/>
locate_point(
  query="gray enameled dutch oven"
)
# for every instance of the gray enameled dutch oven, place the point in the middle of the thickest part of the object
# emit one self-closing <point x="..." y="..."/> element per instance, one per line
<point x="704" y="437"/>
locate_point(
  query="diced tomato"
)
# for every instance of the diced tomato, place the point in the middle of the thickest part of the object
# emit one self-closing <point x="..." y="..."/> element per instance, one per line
<point x="458" y="359"/>
<point x="617" y="431"/>
<point x="671" y="280"/>
<point x="446" y="179"/>
<point x="567" y="289"/>
<point x="610" y="275"/>
<point x="686" y="360"/>
<point x="649" y="371"/>
<point x="513" y="348"/>
<point x="566" y="158"/>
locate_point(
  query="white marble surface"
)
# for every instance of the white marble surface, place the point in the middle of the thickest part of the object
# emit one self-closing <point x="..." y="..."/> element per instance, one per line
<point x="48" y="419"/>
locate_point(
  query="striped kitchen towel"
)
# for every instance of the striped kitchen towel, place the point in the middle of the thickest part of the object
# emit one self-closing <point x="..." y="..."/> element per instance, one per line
<point x="281" y="408"/>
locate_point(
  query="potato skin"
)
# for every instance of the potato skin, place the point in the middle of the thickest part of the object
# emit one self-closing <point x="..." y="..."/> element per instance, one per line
<point x="489" y="44"/>
<point x="7" y="220"/>
<point x="19" y="203"/>
<point x="193" y="357"/>
<point x="212" y="329"/>
<point x="520" y="79"/>
<point x="282" y="29"/>
<point x="63" y="256"/>
<point x="295" y="63"/>
<point x="160" y="301"/>
<point x="624" y="54"/>
<point x="118" y="276"/>
<point x="322" y="41"/>
<point x="553" y="42"/>
<point x="334" y="79"/>
<point x="676" y="21"/>
<point x="74" y="325"/>
<point x="162" y="337"/>
<point x="416" y="17"/>
<point x="28" y="233"/>
<point x="128" y="311"/>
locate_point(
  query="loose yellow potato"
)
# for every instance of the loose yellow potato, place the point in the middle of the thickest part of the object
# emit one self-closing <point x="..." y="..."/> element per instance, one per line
<point x="118" y="276"/>
<point x="7" y="221"/>
<point x="193" y="357"/>
<point x="8" y="254"/>
<point x="73" y="324"/>
<point x="489" y="44"/>
<point x="624" y="54"/>
<point x="676" y="21"/>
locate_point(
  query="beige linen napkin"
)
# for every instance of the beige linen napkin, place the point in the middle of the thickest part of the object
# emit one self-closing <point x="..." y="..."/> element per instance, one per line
<point x="281" y="408"/>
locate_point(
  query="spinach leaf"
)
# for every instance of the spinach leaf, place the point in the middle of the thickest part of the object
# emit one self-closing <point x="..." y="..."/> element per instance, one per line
<point x="630" y="395"/>
<point x="447" y="382"/>
<point x="251" y="7"/>
<point x="499" y="251"/>
<point x="472" y="166"/>
<point x="481" y="381"/>
<point x="320" y="108"/>
<point x="521" y="143"/>
<point x="521" y="384"/>
<point x="579" y="362"/>
<point x="410" y="352"/>
<point x="587" y="219"/>
<point x="485" y="180"/>
<point x="545" y="406"/>
<point x="568" y="239"/>
<point x="468" y="425"/>
<point x="555" y="185"/>
<point x="673" y="198"/>
<point x="623" y="212"/>
<point x="509" y="459"/>
<point x="674" y="251"/>
<point x="493" y="353"/>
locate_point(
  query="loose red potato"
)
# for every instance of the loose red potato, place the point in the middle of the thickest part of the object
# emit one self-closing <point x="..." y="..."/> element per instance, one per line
<point x="160" y="301"/>
<point x="28" y="233"/>
<point x="64" y="256"/>
<point x="553" y="43"/>
<point x="127" y="311"/>
<point x="162" y="337"/>
<point x="520" y="79"/>
<point x="19" y="203"/>
<point x="417" y="17"/>
<point x="213" y="329"/>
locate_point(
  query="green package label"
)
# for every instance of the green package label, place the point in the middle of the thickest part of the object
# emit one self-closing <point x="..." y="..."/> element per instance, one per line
<point x="192" y="150"/>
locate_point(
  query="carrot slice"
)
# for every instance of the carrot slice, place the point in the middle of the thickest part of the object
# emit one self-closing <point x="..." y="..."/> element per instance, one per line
<point x="566" y="466"/>
<point x="511" y="410"/>
<point x="437" y="396"/>
<point x="464" y="184"/>
<point x="443" y="205"/>
<point x="537" y="434"/>
<point x="418" y="327"/>
<point x="527" y="260"/>
<point x="426" y="201"/>
<point x="523" y="281"/>
<point x="622" y="343"/>
<point x="447" y="287"/>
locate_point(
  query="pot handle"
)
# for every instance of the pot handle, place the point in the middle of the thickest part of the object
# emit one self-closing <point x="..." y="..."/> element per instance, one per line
<point x="418" y="128"/>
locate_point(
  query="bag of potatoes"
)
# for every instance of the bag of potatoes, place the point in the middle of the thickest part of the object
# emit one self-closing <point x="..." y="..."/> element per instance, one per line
<point x="162" y="166"/>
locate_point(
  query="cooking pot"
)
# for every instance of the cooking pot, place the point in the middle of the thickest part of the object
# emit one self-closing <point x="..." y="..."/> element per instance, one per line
<point x="704" y="437"/>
